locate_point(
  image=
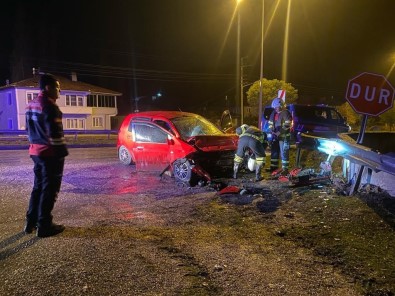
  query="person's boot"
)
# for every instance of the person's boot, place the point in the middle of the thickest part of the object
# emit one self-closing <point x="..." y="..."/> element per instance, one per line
<point x="29" y="226"/>
<point x="50" y="230"/>
<point x="258" y="173"/>
<point x="236" y="167"/>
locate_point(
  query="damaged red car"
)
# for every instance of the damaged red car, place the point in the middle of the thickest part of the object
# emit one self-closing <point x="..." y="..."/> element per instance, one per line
<point x="188" y="145"/>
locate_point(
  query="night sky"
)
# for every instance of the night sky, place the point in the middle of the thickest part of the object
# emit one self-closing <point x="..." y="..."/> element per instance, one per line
<point x="186" y="49"/>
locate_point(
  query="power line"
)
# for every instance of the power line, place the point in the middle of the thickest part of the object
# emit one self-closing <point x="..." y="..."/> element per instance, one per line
<point x="98" y="70"/>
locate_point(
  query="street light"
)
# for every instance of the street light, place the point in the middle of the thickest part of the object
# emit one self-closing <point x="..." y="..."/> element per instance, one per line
<point x="261" y="71"/>
<point x="238" y="59"/>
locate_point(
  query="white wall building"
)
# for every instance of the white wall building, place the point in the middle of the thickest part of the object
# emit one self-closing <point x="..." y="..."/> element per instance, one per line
<point x="84" y="106"/>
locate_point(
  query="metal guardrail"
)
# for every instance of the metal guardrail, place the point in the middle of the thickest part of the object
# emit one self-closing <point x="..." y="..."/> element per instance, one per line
<point x="345" y="147"/>
<point x="356" y="153"/>
<point x="75" y="133"/>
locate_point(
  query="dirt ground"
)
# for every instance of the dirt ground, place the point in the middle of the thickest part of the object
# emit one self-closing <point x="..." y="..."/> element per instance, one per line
<point x="133" y="233"/>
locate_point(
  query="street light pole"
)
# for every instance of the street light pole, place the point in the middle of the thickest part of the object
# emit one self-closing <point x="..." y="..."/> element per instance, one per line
<point x="242" y="90"/>
<point x="136" y="100"/>
<point x="238" y="58"/>
<point x="261" y="72"/>
<point x="136" y="107"/>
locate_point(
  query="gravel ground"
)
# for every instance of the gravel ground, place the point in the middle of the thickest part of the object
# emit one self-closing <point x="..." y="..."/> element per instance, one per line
<point x="132" y="233"/>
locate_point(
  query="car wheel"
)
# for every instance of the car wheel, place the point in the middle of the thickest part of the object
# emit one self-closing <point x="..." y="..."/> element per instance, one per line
<point x="182" y="170"/>
<point x="124" y="156"/>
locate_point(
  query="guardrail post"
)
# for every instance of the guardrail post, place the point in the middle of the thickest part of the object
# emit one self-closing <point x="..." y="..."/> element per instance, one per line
<point x="298" y="156"/>
<point x="355" y="186"/>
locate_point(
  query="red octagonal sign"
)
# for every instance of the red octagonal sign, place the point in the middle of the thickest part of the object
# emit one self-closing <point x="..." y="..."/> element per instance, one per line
<point x="370" y="94"/>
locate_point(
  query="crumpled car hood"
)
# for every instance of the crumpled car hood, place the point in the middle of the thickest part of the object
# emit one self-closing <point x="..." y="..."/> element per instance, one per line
<point x="214" y="143"/>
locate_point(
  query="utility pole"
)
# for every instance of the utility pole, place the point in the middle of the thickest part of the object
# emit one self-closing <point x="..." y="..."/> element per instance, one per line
<point x="242" y="65"/>
<point x="237" y="93"/>
<point x="261" y="72"/>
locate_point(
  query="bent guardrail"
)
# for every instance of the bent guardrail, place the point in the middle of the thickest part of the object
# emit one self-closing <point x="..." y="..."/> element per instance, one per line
<point x="363" y="156"/>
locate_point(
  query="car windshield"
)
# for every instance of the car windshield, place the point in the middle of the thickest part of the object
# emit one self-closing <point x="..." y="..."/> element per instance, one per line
<point x="190" y="126"/>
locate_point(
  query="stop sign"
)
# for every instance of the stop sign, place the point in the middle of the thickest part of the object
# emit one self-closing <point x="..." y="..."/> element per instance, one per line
<point x="370" y="94"/>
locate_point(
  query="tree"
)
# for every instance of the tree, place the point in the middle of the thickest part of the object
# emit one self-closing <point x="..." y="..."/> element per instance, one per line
<point x="384" y="121"/>
<point x="270" y="90"/>
<point x="388" y="118"/>
<point x="348" y="112"/>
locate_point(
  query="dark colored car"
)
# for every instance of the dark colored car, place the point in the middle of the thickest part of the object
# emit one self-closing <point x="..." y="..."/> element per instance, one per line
<point x="187" y="144"/>
<point x="318" y="120"/>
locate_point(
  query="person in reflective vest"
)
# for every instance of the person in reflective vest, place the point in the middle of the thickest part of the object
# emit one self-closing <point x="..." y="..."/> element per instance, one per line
<point x="250" y="137"/>
<point x="280" y="122"/>
<point x="48" y="151"/>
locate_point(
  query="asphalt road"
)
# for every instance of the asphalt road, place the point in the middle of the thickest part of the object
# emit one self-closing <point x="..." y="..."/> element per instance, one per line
<point x="133" y="233"/>
<point x="20" y="156"/>
<point x="98" y="199"/>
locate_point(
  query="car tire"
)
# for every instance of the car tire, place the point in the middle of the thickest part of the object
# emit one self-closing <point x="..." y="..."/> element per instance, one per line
<point x="124" y="156"/>
<point x="182" y="171"/>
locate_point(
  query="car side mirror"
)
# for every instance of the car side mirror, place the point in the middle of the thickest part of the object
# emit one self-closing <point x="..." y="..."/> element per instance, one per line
<point x="226" y="122"/>
<point x="170" y="140"/>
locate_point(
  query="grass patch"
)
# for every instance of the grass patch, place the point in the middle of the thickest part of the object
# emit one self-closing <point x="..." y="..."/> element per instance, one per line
<point x="351" y="236"/>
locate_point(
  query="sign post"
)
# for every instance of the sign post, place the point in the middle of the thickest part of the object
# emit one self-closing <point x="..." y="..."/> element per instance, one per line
<point x="281" y="95"/>
<point x="369" y="94"/>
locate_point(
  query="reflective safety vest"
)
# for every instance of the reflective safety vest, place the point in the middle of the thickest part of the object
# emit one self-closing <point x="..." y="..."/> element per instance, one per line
<point x="257" y="134"/>
<point x="281" y="122"/>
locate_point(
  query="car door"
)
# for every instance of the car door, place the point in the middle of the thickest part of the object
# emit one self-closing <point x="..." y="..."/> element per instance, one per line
<point x="151" y="146"/>
<point x="226" y="122"/>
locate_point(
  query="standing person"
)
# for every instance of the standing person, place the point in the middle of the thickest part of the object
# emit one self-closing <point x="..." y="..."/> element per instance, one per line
<point x="250" y="137"/>
<point x="280" y="125"/>
<point x="47" y="150"/>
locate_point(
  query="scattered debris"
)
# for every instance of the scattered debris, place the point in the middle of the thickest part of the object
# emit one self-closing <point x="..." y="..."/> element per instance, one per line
<point x="289" y="215"/>
<point x="280" y="233"/>
<point x="230" y="189"/>
<point x="218" y="267"/>
<point x="370" y="188"/>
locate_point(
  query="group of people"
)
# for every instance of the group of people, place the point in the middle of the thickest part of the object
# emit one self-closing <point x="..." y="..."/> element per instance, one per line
<point x="48" y="151"/>
<point x="255" y="141"/>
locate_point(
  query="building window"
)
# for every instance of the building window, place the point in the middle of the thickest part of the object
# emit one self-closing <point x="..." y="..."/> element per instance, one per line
<point x="73" y="100"/>
<point x="101" y="101"/>
<point x="9" y="99"/>
<point x="97" y="122"/>
<point x="75" y="123"/>
<point x="10" y="123"/>
<point x="30" y="97"/>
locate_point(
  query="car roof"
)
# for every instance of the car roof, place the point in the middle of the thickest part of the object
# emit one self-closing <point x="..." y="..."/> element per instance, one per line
<point x="305" y="106"/>
<point x="166" y="114"/>
<point x="311" y="106"/>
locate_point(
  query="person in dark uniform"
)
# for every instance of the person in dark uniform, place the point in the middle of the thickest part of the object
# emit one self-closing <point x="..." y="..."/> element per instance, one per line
<point x="280" y="126"/>
<point x="250" y="137"/>
<point x="48" y="151"/>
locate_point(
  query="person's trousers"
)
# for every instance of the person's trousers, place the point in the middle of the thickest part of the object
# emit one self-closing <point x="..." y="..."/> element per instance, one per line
<point x="279" y="149"/>
<point x="48" y="172"/>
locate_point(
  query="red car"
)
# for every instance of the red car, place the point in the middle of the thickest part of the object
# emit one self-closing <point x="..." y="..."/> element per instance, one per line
<point x="187" y="144"/>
